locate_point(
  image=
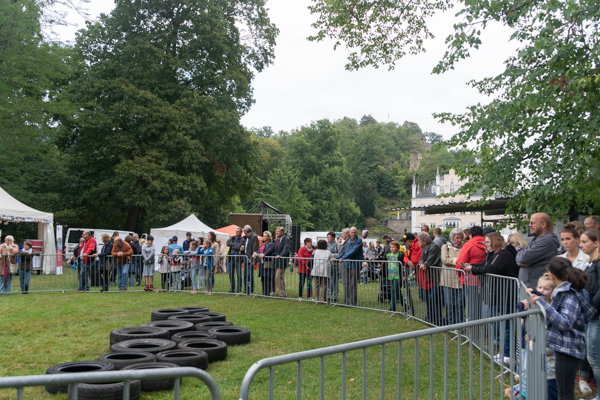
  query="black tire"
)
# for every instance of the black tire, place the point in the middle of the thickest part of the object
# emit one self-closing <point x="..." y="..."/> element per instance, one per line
<point x="192" y="335"/>
<point x="152" y="346"/>
<point x="107" y="391"/>
<point x="214" y="316"/>
<point x="192" y="310"/>
<point x="205" y="326"/>
<point x="138" y="332"/>
<point x="194" y="319"/>
<point x="232" y="335"/>
<point x="216" y="350"/>
<point x="161" y="315"/>
<point x="155" y="385"/>
<point x="172" y="326"/>
<point x="75" y="366"/>
<point x="121" y="360"/>
<point x="184" y="358"/>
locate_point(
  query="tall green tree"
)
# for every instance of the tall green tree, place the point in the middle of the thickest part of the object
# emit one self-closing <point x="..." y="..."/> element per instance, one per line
<point x="161" y="87"/>
<point x="537" y="140"/>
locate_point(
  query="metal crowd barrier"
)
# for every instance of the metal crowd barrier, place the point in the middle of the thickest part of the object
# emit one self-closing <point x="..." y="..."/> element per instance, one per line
<point x="20" y="382"/>
<point x="394" y="355"/>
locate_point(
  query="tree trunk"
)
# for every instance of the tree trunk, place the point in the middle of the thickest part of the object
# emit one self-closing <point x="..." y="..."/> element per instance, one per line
<point x="133" y="219"/>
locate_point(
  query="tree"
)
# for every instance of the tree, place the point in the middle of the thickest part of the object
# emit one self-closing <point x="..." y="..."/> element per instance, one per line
<point x="162" y="86"/>
<point x="537" y="141"/>
<point x="433" y="138"/>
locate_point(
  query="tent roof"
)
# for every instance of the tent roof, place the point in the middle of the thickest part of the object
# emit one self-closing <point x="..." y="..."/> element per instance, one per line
<point x="190" y="224"/>
<point x="229" y="229"/>
<point x="12" y="209"/>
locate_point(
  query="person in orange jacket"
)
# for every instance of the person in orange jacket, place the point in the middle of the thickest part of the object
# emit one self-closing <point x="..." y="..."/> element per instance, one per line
<point x="122" y="252"/>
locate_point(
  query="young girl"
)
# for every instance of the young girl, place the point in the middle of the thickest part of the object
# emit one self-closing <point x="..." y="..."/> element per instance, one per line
<point x="320" y="271"/>
<point x="364" y="272"/>
<point x="164" y="260"/>
<point x="176" y="269"/>
<point x="207" y="264"/>
<point x="148" y="256"/>
<point x="195" y="267"/>
<point x="566" y="318"/>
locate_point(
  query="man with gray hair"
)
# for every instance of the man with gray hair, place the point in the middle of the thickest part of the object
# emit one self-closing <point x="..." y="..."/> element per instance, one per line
<point x="429" y="278"/>
<point x="351" y="255"/>
<point x="250" y="247"/>
<point x="592" y="222"/>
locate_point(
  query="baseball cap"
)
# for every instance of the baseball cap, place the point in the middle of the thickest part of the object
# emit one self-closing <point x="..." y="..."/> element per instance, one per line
<point x="408" y="236"/>
<point x="174" y="238"/>
<point x="188" y="234"/>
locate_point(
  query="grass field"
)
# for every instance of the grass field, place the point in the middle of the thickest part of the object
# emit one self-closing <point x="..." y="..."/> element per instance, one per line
<point x="43" y="329"/>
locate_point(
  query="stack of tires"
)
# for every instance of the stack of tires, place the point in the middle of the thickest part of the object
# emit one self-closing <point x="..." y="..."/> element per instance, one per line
<point x="179" y="337"/>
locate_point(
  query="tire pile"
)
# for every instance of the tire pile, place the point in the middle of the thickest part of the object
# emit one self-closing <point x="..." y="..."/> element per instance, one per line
<point x="180" y="337"/>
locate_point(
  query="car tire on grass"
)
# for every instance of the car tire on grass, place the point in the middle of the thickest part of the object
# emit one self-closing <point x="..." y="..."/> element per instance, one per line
<point x="172" y="326"/>
<point x="216" y="350"/>
<point x="107" y="391"/>
<point x="152" y="346"/>
<point x="73" y="367"/>
<point x="155" y="385"/>
<point x="138" y="332"/>
<point x="184" y="358"/>
<point x="214" y="316"/>
<point x="232" y="335"/>
<point x="121" y="360"/>
<point x="161" y="315"/>
<point x="191" y="335"/>
<point x="194" y="319"/>
<point x="205" y="326"/>
<point x="195" y="309"/>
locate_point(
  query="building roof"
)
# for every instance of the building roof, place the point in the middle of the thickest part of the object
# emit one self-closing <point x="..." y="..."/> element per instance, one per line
<point x="494" y="206"/>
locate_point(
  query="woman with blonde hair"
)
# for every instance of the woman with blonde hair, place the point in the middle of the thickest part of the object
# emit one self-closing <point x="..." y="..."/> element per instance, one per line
<point x="517" y="241"/>
<point x="449" y="282"/>
<point x="265" y="266"/>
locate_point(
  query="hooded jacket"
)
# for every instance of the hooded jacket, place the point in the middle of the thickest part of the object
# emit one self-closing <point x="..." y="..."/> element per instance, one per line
<point x="473" y="252"/>
<point x="534" y="258"/>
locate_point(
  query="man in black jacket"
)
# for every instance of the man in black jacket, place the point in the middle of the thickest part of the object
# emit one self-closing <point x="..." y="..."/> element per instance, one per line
<point x="281" y="254"/>
<point x="430" y="277"/>
<point x="250" y="246"/>
<point x="136" y="260"/>
<point x="234" y="260"/>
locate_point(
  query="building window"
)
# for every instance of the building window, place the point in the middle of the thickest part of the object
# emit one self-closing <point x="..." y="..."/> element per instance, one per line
<point x="462" y="213"/>
<point x="422" y="213"/>
<point x="451" y="187"/>
<point x="441" y="190"/>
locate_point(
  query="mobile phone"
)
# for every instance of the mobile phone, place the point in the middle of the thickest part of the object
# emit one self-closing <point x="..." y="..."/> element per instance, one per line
<point x="463" y="265"/>
<point x="537" y="293"/>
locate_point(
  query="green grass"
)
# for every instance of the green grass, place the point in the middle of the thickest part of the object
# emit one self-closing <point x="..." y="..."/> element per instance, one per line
<point x="43" y="329"/>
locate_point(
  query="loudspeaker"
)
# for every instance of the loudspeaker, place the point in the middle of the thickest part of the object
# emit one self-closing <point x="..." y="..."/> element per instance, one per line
<point x="295" y="239"/>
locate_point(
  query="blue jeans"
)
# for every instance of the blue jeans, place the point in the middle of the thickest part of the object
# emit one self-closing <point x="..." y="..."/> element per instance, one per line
<point x="334" y="287"/>
<point x="234" y="267"/>
<point x="454" y="305"/>
<point x="5" y="287"/>
<point x="498" y="310"/>
<point x="176" y="281"/>
<point x="249" y="277"/>
<point x="301" y="280"/>
<point x="592" y="339"/>
<point x="122" y="273"/>
<point x="84" y="277"/>
<point x="197" y="278"/>
<point x="24" y="277"/>
<point x="396" y="295"/>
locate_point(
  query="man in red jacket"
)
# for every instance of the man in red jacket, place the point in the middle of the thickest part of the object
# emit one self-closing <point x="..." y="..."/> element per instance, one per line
<point x="85" y="252"/>
<point x="473" y="252"/>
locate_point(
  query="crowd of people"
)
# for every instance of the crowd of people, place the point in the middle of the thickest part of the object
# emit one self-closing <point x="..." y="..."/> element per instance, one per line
<point x="452" y="277"/>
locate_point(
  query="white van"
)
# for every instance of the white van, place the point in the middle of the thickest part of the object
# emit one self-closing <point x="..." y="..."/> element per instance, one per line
<point x="73" y="235"/>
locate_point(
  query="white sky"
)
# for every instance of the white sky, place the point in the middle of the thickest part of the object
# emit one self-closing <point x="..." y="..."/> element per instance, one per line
<point x="308" y="81"/>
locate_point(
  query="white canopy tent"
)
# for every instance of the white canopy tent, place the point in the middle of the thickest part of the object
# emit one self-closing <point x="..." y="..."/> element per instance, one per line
<point x="190" y="224"/>
<point x="12" y="210"/>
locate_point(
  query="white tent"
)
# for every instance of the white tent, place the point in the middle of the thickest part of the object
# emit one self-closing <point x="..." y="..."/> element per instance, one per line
<point x="12" y="210"/>
<point x="190" y="224"/>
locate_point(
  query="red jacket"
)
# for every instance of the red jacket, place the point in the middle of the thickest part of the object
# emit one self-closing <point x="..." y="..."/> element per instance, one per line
<point x="473" y="252"/>
<point x="89" y="248"/>
<point x="303" y="255"/>
<point x="413" y="254"/>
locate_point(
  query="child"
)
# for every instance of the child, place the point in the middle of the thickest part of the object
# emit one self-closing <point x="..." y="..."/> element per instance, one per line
<point x="148" y="257"/>
<point x="207" y="263"/>
<point x="195" y="267"/>
<point x="363" y="273"/>
<point x="393" y="273"/>
<point x="320" y="269"/>
<point x="545" y="286"/>
<point x="566" y="318"/>
<point x="164" y="260"/>
<point x="176" y="269"/>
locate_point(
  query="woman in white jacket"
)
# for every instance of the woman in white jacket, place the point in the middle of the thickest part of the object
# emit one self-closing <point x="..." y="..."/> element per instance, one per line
<point x="320" y="270"/>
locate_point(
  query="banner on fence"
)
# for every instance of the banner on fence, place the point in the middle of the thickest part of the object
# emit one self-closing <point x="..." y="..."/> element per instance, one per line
<point x="59" y="249"/>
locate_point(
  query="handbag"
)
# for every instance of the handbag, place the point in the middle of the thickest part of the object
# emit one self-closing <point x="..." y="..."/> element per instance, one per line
<point x="74" y="265"/>
<point x="13" y="269"/>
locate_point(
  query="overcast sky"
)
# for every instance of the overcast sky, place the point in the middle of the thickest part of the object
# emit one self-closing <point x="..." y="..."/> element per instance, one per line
<point x="308" y="81"/>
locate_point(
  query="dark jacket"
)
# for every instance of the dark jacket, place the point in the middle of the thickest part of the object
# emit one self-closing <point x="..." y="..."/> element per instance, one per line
<point x="105" y="255"/>
<point x="593" y="285"/>
<point x="252" y="244"/>
<point x="497" y="290"/>
<point x="534" y="258"/>
<point x="135" y="246"/>
<point x="283" y="250"/>
<point x="27" y="260"/>
<point x="234" y="243"/>
<point x="431" y="256"/>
